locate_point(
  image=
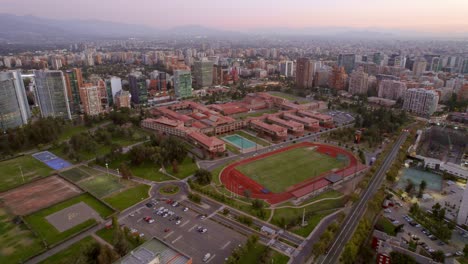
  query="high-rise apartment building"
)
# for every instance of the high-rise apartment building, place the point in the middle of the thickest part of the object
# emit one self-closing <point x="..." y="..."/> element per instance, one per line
<point x="286" y="68"/>
<point x="358" y="82"/>
<point x="203" y="72"/>
<point x="347" y="61"/>
<point x="419" y="67"/>
<point x="91" y="99"/>
<point x="122" y="99"/>
<point x="183" y="83"/>
<point x="51" y="94"/>
<point x="304" y="73"/>
<point x="420" y="101"/>
<point x="14" y="108"/>
<point x="74" y="80"/>
<point x="138" y="89"/>
<point x="338" y="78"/>
<point x="390" y="89"/>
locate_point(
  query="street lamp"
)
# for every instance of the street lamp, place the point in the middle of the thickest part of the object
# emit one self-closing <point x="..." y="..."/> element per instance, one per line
<point x="118" y="174"/>
<point x="21" y="170"/>
<point x="107" y="169"/>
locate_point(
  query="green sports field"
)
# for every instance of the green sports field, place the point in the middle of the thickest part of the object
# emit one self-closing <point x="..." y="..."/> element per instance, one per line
<point x="279" y="171"/>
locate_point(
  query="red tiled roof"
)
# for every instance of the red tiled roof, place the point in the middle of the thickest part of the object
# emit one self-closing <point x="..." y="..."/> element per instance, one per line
<point x="274" y="128"/>
<point x="310" y="188"/>
<point x="206" y="140"/>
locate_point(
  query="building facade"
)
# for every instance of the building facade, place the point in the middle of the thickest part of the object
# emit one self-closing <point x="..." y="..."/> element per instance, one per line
<point x="122" y="99"/>
<point x="138" y="89"/>
<point x="304" y="73"/>
<point x="390" y="89"/>
<point x="74" y="80"/>
<point x="14" y="108"/>
<point x="420" y="101"/>
<point x="183" y="83"/>
<point x="358" y="82"/>
<point x="203" y="73"/>
<point x="347" y="61"/>
<point x="91" y="101"/>
<point x="51" y="94"/>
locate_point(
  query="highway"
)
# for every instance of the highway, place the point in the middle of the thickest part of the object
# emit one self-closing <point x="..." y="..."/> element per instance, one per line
<point x="351" y="221"/>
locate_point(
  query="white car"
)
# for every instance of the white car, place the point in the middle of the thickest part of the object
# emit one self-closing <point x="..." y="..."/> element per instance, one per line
<point x="165" y="215"/>
<point x="388" y="210"/>
<point x="141" y="235"/>
<point x="150" y="221"/>
<point x="185" y="209"/>
<point x="178" y="222"/>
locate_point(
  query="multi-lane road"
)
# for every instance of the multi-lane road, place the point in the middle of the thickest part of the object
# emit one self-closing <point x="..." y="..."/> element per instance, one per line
<point x="352" y="219"/>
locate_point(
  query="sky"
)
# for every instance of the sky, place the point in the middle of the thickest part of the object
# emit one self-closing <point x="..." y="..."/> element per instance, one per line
<point x="244" y="15"/>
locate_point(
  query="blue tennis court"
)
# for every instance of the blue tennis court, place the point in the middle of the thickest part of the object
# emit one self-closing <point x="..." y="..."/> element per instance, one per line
<point x="51" y="160"/>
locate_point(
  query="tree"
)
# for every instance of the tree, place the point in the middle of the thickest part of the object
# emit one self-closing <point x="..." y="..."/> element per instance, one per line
<point x="124" y="170"/>
<point x="362" y="157"/>
<point x="257" y="204"/>
<point x="410" y="187"/>
<point x="247" y="193"/>
<point x="465" y="251"/>
<point x="400" y="258"/>
<point x="175" y="166"/>
<point x="203" y="177"/>
<point x="172" y="149"/>
<point x="120" y="243"/>
<point x="439" y="256"/>
<point x="422" y="187"/>
<point x="106" y="255"/>
<point x="435" y="210"/>
<point x="414" y="208"/>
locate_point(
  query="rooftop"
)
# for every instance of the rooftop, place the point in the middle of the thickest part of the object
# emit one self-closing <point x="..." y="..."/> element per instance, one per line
<point x="153" y="249"/>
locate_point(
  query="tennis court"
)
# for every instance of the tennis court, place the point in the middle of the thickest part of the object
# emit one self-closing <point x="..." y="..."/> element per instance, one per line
<point x="51" y="160"/>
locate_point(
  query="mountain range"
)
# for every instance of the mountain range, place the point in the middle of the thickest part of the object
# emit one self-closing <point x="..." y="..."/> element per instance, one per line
<point x="26" y="29"/>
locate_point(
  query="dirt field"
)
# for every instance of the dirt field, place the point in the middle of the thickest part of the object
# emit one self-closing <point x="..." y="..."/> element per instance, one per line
<point x="37" y="195"/>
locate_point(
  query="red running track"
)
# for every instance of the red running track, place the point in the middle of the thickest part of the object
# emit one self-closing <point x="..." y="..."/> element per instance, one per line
<point x="237" y="182"/>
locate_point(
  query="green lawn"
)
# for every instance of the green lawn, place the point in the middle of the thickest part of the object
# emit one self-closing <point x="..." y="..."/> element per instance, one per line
<point x="129" y="197"/>
<point x="254" y="254"/>
<point x="463" y="260"/>
<point x="285" y="169"/>
<point x="314" y="213"/>
<point x="232" y="148"/>
<point x="70" y="131"/>
<point x="323" y="195"/>
<point x="257" y="140"/>
<point x="39" y="223"/>
<point x="386" y="226"/>
<point x="101" y="185"/>
<point x="186" y="168"/>
<point x="255" y="114"/>
<point x="150" y="172"/>
<point x="17" y="242"/>
<point x="70" y="254"/>
<point x="78" y="173"/>
<point x="10" y="173"/>
<point x="312" y="222"/>
<point x="108" y="235"/>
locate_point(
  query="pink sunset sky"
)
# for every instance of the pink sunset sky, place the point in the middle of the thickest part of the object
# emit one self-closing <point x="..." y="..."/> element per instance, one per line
<point x="427" y="15"/>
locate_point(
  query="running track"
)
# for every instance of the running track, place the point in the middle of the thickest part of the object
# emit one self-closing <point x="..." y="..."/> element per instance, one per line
<point x="237" y="182"/>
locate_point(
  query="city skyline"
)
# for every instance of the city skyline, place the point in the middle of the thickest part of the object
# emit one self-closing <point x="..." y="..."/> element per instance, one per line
<point x="243" y="15"/>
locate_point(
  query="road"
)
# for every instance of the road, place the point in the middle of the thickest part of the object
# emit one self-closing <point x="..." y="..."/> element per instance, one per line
<point x="352" y="219"/>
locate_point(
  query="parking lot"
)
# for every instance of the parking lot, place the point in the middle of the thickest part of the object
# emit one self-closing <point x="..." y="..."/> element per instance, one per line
<point x="424" y="239"/>
<point x="181" y="230"/>
<point x="340" y="117"/>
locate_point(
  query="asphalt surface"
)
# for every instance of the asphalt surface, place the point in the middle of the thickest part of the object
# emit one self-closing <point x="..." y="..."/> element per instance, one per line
<point x="219" y="241"/>
<point x="352" y="219"/>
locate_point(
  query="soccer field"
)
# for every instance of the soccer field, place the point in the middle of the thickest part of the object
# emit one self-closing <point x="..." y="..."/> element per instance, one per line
<point x="279" y="171"/>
